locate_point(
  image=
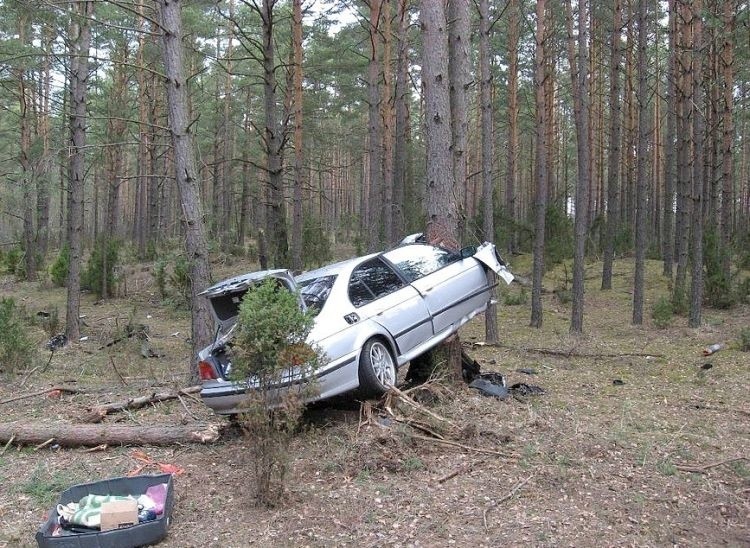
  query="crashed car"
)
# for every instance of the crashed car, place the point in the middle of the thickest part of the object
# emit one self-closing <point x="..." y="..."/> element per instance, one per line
<point x="373" y="314"/>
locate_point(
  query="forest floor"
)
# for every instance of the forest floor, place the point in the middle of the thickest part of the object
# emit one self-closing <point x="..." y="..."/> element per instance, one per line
<point x="659" y="458"/>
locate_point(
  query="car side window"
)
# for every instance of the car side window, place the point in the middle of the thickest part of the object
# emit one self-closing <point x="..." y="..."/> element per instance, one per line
<point x="371" y="280"/>
<point x="417" y="261"/>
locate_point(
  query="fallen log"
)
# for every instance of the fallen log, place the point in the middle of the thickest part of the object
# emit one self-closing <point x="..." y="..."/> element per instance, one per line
<point x="60" y="389"/>
<point x="98" y="412"/>
<point x="76" y="435"/>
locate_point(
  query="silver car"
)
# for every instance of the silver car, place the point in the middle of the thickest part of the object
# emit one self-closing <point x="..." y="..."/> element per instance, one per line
<point x="373" y="314"/>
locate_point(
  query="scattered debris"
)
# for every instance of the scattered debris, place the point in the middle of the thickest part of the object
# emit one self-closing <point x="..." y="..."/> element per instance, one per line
<point x="523" y="389"/>
<point x="526" y="371"/>
<point x="618" y="382"/>
<point x="702" y="468"/>
<point x="707" y="366"/>
<point x="58" y="341"/>
<point x="712" y="349"/>
<point x="490" y="384"/>
<point x="55" y="389"/>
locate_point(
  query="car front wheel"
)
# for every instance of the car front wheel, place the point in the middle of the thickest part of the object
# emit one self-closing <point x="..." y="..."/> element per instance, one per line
<point x="377" y="368"/>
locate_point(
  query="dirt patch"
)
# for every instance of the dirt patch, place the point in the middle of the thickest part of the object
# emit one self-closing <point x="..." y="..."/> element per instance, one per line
<point x="589" y="462"/>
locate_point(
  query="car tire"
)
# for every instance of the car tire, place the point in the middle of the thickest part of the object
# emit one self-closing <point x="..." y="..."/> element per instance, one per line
<point x="377" y="368"/>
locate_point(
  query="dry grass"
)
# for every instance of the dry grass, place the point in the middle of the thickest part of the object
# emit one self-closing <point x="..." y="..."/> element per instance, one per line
<point x="588" y="464"/>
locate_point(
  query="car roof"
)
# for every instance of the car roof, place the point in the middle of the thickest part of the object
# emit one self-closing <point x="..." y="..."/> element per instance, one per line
<point x="333" y="269"/>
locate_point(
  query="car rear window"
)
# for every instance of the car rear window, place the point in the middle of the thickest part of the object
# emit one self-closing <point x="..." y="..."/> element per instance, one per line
<point x="416" y="261"/>
<point x="315" y="292"/>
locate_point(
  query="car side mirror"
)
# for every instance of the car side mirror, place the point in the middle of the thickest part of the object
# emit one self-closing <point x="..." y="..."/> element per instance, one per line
<point x="468" y="251"/>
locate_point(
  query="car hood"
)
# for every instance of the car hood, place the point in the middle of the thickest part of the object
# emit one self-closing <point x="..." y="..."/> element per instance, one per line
<point x="487" y="255"/>
<point x="226" y="296"/>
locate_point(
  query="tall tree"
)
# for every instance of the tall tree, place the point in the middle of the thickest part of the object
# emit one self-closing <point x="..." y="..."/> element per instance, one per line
<point x="540" y="165"/>
<point x="579" y="64"/>
<point x="299" y="158"/>
<point x="696" y="279"/>
<point x="79" y="73"/>
<point x="485" y="100"/>
<point x="459" y="39"/>
<point x="727" y="153"/>
<point x="402" y="88"/>
<point x="186" y="175"/>
<point x="375" y="199"/>
<point x="613" y="166"/>
<point x="511" y="181"/>
<point x="442" y="213"/>
<point x="641" y="154"/>
<point x="669" y="147"/>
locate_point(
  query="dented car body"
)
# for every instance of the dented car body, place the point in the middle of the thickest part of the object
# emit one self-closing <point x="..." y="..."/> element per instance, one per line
<point x="373" y="314"/>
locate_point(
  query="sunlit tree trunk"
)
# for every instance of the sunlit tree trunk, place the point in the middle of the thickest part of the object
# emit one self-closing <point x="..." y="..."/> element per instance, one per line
<point x="459" y="39"/>
<point x="298" y="143"/>
<point x="512" y="179"/>
<point x="669" y="150"/>
<point x="186" y="175"/>
<point x="696" y="280"/>
<point x="375" y="133"/>
<point x="401" y="157"/>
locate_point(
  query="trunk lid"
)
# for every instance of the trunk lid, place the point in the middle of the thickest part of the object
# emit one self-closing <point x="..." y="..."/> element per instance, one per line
<point x="225" y="297"/>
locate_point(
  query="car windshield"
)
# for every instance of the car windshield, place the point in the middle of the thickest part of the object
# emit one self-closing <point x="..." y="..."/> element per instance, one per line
<point x="416" y="260"/>
<point x="315" y="292"/>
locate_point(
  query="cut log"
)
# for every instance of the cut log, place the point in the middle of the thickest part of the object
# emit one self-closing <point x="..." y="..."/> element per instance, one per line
<point x="75" y="435"/>
<point x="97" y="413"/>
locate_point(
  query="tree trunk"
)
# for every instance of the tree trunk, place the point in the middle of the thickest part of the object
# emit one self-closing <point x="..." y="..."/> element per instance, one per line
<point x="186" y="175"/>
<point x="579" y="69"/>
<point x="459" y="75"/>
<point x="511" y="182"/>
<point x="401" y="157"/>
<point x="669" y="147"/>
<point x="442" y="215"/>
<point x="727" y="156"/>
<point x="299" y="167"/>
<point x="76" y="435"/>
<point x="79" y="70"/>
<point x="696" y="281"/>
<point x="613" y="167"/>
<point x="375" y="133"/>
<point x="485" y="101"/>
<point x="641" y="154"/>
<point x="273" y="140"/>
<point x="386" y="110"/>
<point x="540" y="167"/>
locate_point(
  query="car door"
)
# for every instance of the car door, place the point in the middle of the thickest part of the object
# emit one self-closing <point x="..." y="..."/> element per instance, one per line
<point x="379" y="293"/>
<point x="453" y="288"/>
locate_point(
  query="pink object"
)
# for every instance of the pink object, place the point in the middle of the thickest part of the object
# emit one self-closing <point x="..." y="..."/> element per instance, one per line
<point x="158" y="493"/>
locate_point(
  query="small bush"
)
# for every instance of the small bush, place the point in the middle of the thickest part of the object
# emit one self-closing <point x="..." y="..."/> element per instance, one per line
<point x="680" y="304"/>
<point x="515" y="299"/>
<point x="12" y="260"/>
<point x="662" y="312"/>
<point x="160" y="277"/>
<point x="745" y="339"/>
<point x="59" y="269"/>
<point x="179" y="279"/>
<point x="742" y="291"/>
<point x="95" y="275"/>
<point x="15" y="347"/>
<point x="271" y="333"/>
<point x="50" y="322"/>
<point x="316" y="245"/>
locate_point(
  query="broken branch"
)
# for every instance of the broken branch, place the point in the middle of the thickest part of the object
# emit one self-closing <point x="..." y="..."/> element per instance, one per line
<point x="701" y="468"/>
<point x="98" y="412"/>
<point x="41" y="393"/>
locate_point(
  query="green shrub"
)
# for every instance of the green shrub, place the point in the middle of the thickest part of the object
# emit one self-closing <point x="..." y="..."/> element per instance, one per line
<point x="662" y="312"/>
<point x="680" y="304"/>
<point x="179" y="279"/>
<point x="160" y="277"/>
<point x="745" y="339"/>
<point x="558" y="239"/>
<point x="515" y="299"/>
<point x="316" y="245"/>
<point x="15" y="348"/>
<point x="271" y="333"/>
<point x="95" y="275"/>
<point x="742" y="291"/>
<point x="717" y="283"/>
<point x="13" y="260"/>
<point x="59" y="269"/>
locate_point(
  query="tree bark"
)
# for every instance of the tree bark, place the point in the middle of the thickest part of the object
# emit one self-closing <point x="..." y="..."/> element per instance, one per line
<point x="669" y="154"/>
<point x="613" y="167"/>
<point x="579" y="76"/>
<point x="696" y="279"/>
<point x="540" y="167"/>
<point x="727" y="156"/>
<point x="375" y="133"/>
<point x="485" y="101"/>
<point x="641" y="154"/>
<point x="76" y="435"/>
<point x="459" y="75"/>
<point x="401" y="157"/>
<point x="299" y="167"/>
<point x="79" y="69"/>
<point x="186" y="174"/>
<point x="511" y="182"/>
